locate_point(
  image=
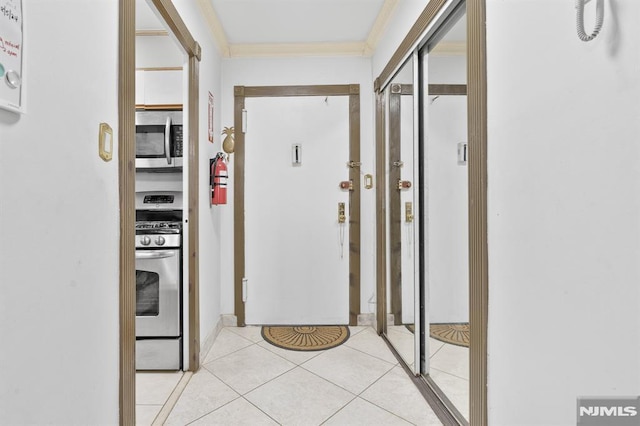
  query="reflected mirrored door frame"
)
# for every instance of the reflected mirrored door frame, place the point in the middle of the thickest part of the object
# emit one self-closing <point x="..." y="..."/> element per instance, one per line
<point x="401" y="213"/>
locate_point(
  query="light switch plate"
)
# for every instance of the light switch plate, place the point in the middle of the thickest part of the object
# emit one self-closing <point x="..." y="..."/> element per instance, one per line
<point x="105" y="142"/>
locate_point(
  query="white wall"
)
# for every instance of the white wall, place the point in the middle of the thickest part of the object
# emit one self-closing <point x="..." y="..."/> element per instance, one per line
<point x="59" y="223"/>
<point x="306" y="71"/>
<point x="158" y="52"/>
<point x="212" y="241"/>
<point x="447" y="235"/>
<point x="564" y="203"/>
<point x="401" y="21"/>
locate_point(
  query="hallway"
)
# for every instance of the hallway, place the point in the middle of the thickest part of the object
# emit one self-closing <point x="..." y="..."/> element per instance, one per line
<point x="245" y="380"/>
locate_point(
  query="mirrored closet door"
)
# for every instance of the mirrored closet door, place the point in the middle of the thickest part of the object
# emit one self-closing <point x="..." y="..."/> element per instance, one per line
<point x="444" y="191"/>
<point x="426" y="213"/>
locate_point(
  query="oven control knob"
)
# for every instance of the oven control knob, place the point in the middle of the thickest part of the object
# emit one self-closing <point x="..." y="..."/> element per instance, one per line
<point x="145" y="241"/>
<point x="160" y="240"/>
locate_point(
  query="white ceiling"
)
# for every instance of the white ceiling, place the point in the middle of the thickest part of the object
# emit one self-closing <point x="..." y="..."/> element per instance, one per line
<point x="287" y="27"/>
<point x="297" y="21"/>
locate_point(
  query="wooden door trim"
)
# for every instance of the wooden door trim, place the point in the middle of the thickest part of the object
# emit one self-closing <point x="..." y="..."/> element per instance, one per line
<point x="240" y="95"/>
<point x="381" y="212"/>
<point x="127" y="184"/>
<point x="395" y="211"/>
<point x="478" y="229"/>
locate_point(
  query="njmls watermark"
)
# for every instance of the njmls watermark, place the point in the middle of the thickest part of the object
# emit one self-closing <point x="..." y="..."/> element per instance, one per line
<point x="608" y="411"/>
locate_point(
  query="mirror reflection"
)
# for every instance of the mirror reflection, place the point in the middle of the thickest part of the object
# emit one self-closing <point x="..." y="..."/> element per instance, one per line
<point x="446" y="214"/>
<point x="401" y="224"/>
<point x="429" y="171"/>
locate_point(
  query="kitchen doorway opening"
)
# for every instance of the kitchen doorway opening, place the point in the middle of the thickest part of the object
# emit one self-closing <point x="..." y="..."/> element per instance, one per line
<point x="126" y="181"/>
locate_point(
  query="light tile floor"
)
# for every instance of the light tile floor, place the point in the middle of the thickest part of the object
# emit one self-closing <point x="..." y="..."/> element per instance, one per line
<point x="450" y="370"/>
<point x="449" y="365"/>
<point x="246" y="381"/>
<point x="152" y="391"/>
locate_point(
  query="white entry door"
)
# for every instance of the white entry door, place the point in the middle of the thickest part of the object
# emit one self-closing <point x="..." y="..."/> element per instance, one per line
<point x="296" y="251"/>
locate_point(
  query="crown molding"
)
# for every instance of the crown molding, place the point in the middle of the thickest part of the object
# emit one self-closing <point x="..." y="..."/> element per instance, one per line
<point x="379" y="26"/>
<point x="215" y="27"/>
<point x="152" y="33"/>
<point x="449" y="49"/>
<point x="365" y="48"/>
<point x="296" y="49"/>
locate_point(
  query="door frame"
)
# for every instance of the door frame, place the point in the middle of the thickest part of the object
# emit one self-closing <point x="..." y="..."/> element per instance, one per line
<point x="240" y="95"/>
<point x="127" y="180"/>
<point x="432" y="16"/>
<point x="395" y="214"/>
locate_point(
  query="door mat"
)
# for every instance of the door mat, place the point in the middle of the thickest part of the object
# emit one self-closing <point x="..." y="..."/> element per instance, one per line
<point x="306" y="337"/>
<point x="454" y="333"/>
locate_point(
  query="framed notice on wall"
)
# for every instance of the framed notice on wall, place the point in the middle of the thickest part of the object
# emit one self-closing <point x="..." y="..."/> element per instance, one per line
<point x="11" y="26"/>
<point x="210" y="114"/>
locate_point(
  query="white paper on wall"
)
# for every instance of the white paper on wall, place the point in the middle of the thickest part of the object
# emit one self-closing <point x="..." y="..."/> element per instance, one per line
<point x="11" y="54"/>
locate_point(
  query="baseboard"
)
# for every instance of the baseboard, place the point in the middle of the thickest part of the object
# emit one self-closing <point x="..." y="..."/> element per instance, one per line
<point x="229" y="320"/>
<point x="205" y="347"/>
<point x="367" y="320"/>
<point x="225" y="320"/>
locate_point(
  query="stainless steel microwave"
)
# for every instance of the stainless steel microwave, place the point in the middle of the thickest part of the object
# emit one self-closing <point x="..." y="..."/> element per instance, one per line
<point x="159" y="140"/>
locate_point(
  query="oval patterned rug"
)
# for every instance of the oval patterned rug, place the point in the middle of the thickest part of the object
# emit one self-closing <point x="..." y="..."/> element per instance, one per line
<point x="454" y="333"/>
<point x="306" y="337"/>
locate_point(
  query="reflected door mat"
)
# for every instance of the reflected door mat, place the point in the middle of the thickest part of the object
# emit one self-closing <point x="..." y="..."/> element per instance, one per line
<point x="454" y="333"/>
<point x="306" y="337"/>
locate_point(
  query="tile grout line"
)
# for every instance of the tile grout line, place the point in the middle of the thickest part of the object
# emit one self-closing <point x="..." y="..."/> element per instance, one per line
<point x="235" y="334"/>
<point x="257" y="387"/>
<point x="376" y="405"/>
<point x="450" y="374"/>
<point x="374" y="356"/>
<point x="211" y="412"/>
<point x="339" y="409"/>
<point x="260" y="409"/>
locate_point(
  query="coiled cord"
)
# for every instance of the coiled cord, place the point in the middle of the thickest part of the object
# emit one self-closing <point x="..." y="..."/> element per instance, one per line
<point x="580" y="20"/>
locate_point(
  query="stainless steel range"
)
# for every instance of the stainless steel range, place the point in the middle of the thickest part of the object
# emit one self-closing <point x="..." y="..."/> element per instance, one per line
<point x="158" y="280"/>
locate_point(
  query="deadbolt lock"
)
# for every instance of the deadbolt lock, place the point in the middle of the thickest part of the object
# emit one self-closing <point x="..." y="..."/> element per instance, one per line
<point x="346" y="185"/>
<point x="342" y="217"/>
<point x="404" y="184"/>
<point x="408" y="211"/>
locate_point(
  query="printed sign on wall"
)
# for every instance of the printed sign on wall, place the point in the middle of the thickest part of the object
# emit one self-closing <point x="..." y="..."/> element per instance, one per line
<point x="11" y="55"/>
<point x="210" y="112"/>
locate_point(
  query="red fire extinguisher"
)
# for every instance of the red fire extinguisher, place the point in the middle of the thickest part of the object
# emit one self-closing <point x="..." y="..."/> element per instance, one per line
<point x="219" y="177"/>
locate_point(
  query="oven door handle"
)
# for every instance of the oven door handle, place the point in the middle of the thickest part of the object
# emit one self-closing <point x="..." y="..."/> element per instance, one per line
<point x="155" y="254"/>
<point x="167" y="140"/>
